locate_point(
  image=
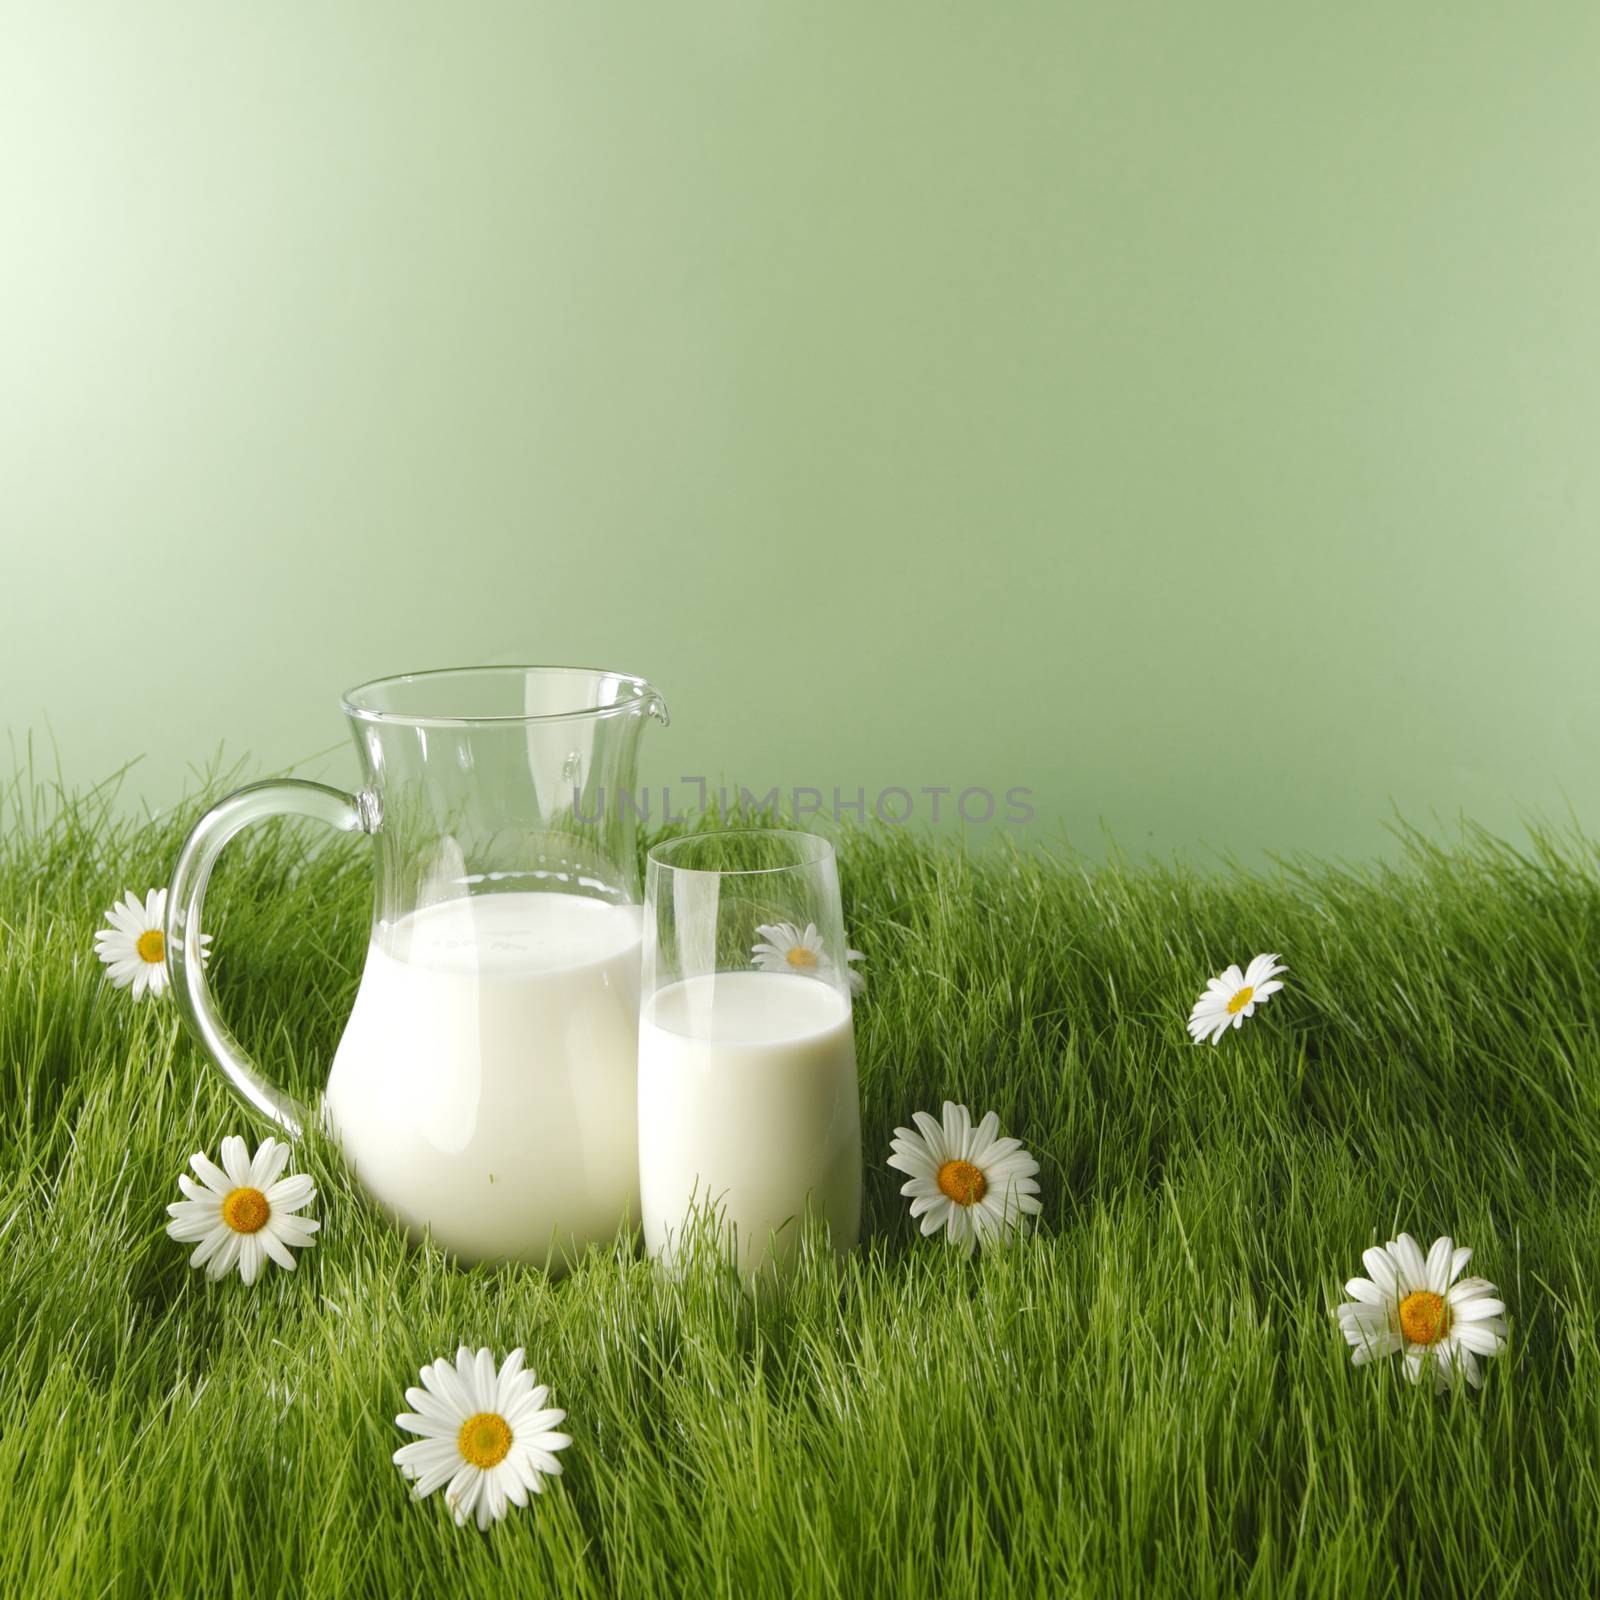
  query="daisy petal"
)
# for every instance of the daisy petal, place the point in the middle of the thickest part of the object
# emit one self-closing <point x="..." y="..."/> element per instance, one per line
<point x="1476" y="1309"/>
<point x="289" y="1194"/>
<point x="1381" y="1269"/>
<point x="1479" y="1336"/>
<point x="236" y="1161"/>
<point x="1437" y="1266"/>
<point x="1413" y="1270"/>
<point x="210" y="1174"/>
<point x="1364" y="1290"/>
<point x="270" y="1160"/>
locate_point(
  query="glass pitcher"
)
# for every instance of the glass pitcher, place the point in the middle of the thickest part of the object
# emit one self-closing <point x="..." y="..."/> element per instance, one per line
<point x="484" y="1086"/>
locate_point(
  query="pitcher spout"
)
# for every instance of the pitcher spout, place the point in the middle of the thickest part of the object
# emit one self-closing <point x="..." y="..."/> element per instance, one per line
<point x="652" y="704"/>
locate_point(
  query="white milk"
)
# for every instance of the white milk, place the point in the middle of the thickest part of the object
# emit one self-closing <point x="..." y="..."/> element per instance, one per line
<point x="748" y="1099"/>
<point x="484" y="1086"/>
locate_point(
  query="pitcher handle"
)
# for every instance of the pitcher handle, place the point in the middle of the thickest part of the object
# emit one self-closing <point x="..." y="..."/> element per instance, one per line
<point x="257" y="801"/>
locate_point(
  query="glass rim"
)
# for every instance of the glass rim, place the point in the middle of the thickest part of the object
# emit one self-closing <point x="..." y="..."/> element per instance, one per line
<point x="646" y="698"/>
<point x="821" y="849"/>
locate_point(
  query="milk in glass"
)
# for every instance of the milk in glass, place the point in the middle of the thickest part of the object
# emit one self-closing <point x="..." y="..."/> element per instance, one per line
<point x="748" y="1101"/>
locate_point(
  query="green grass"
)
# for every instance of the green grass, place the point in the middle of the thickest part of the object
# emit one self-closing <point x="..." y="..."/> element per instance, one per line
<point x="1146" y="1396"/>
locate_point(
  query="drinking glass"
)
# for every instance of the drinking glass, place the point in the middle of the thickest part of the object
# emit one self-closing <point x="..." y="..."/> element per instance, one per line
<point x="749" y="1105"/>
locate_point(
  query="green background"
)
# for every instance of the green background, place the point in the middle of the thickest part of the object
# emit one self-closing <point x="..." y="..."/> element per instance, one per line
<point x="1187" y="412"/>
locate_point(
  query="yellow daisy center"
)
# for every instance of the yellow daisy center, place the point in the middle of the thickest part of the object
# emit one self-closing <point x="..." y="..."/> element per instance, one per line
<point x="1240" y="1000"/>
<point x="799" y="956"/>
<point x="152" y="947"/>
<point x="1424" y="1317"/>
<point x="963" y="1182"/>
<point x="246" y="1210"/>
<point x="484" y="1440"/>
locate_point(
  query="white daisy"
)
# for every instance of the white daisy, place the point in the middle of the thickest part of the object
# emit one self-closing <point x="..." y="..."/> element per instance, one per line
<point x="784" y="948"/>
<point x="484" y="1433"/>
<point x="1423" y="1305"/>
<point x="134" y="947"/>
<point x="243" y="1211"/>
<point x="1228" y="1000"/>
<point x="968" y="1181"/>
